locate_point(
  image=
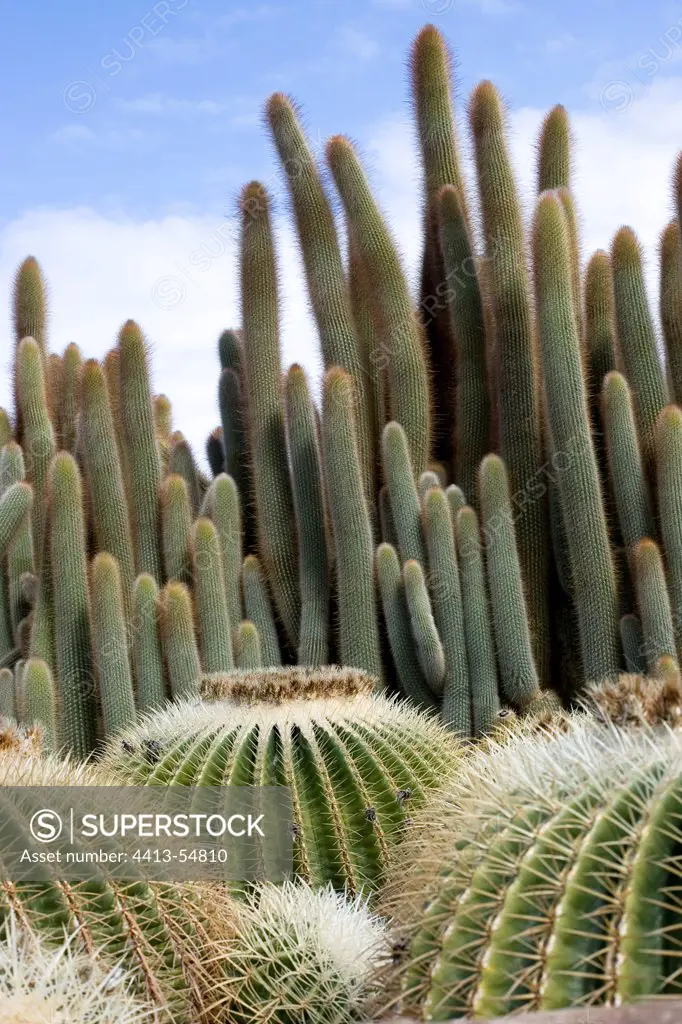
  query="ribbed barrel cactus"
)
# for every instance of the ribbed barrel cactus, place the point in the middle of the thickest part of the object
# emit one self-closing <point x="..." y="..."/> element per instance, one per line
<point x="552" y="880"/>
<point x="356" y="762"/>
<point x="158" y="934"/>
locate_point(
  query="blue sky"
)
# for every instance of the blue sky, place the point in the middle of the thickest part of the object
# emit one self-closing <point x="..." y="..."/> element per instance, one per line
<point x="130" y="126"/>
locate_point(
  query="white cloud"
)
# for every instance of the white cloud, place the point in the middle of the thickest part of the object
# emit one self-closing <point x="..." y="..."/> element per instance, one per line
<point x="358" y="44"/>
<point x="104" y="268"/>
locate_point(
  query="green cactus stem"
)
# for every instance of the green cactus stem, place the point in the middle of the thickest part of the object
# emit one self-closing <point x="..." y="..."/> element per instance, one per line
<point x="627" y="475"/>
<point x="176" y="525"/>
<point x="259" y="610"/>
<point x="41" y="701"/>
<point x="181" y="461"/>
<point x="247" y="653"/>
<point x="213" y="619"/>
<point x="110" y="646"/>
<point x="72" y="361"/>
<point x="37" y="431"/>
<point x="669" y="488"/>
<point x="403" y="493"/>
<point x="272" y="490"/>
<point x="150" y="688"/>
<point x="424" y="630"/>
<point x="653" y="603"/>
<point x="222" y="505"/>
<point x="670" y="306"/>
<point x="178" y="639"/>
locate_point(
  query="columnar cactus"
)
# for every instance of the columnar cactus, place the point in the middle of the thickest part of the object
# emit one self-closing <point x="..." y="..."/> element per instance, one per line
<point x="110" y="645"/>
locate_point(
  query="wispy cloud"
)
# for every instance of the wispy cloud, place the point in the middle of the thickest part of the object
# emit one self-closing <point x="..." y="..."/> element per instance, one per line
<point x="358" y="44"/>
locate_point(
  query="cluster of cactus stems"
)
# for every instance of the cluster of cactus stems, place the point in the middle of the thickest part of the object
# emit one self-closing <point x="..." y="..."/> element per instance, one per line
<point x="482" y="510"/>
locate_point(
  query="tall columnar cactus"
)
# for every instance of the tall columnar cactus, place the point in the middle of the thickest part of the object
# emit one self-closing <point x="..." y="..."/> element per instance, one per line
<point x="425" y="635"/>
<point x="591" y="562"/>
<point x="38" y="439"/>
<point x="54" y="381"/>
<point x="353" y="541"/>
<point x="600" y="329"/>
<point x="29" y="315"/>
<point x="72" y="361"/>
<point x="110" y="645"/>
<point x="108" y="506"/>
<point x="223" y="506"/>
<point x="213" y="619"/>
<point x="327" y="285"/>
<point x="401" y="330"/>
<point x="259" y="610"/>
<point x="669" y="488"/>
<point x="518" y="674"/>
<point x="554" y="151"/>
<point x="274" y="503"/>
<point x="176" y="525"/>
<point x="179" y="641"/>
<point x="480" y="647"/>
<point x="231" y="405"/>
<point x="629" y="483"/>
<point x="181" y="462"/>
<point x="356" y="762"/>
<point x="374" y="350"/>
<point x="15" y="505"/>
<point x="215" y="452"/>
<point x="551" y="882"/>
<point x="433" y="110"/>
<point x="670" y="306"/>
<point x="637" y="351"/>
<point x="41" y="701"/>
<point x="472" y="399"/>
<point x="19" y="552"/>
<point x="306" y="484"/>
<point x="403" y="493"/>
<point x="6" y="432"/>
<point x="633" y="643"/>
<point x="143" y="462"/>
<point x="72" y="636"/>
<point x="8" y="707"/>
<point x="399" y="629"/>
<point x="653" y="602"/>
<point x="520" y="427"/>
<point x="147" y="654"/>
<point x="446" y="596"/>
<point x="163" y="417"/>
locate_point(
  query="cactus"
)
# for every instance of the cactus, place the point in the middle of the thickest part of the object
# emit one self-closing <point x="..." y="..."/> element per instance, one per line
<point x="29" y="306"/>
<point x="7" y="704"/>
<point x="108" y="507"/>
<point x="110" y="645"/>
<point x="424" y="630"/>
<point x="143" y="462"/>
<point x="230" y="403"/>
<point x="636" y="337"/>
<point x="358" y="628"/>
<point x="15" y="505"/>
<point x="327" y="286"/>
<point x="181" y="462"/>
<point x="247" y="652"/>
<point x="518" y="395"/>
<point x="72" y="636"/>
<point x="446" y="596"/>
<point x="401" y="330"/>
<point x="213" y="620"/>
<point x="432" y="102"/>
<point x="215" y="451"/>
<point x="178" y="640"/>
<point x="591" y="562"/>
<point x="600" y="329"/>
<point x="627" y="475"/>
<point x="222" y="505"/>
<point x="306" y="477"/>
<point x="37" y="432"/>
<point x="176" y="525"/>
<point x="574" y="831"/>
<point x="472" y="401"/>
<point x="259" y="610"/>
<point x="518" y="674"/>
<point x="670" y="303"/>
<point x="658" y="633"/>
<point x="403" y="493"/>
<point x="354" y="759"/>
<point x="397" y="618"/>
<point x="41" y="701"/>
<point x="480" y="648"/>
<point x="146" y="646"/>
<point x="633" y="642"/>
<point x="302" y="954"/>
<point x="272" y="489"/>
<point x="669" y="488"/>
<point x="154" y="938"/>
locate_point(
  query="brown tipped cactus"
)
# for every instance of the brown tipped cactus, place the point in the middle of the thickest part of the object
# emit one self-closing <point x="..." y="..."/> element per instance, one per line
<point x="670" y="306"/>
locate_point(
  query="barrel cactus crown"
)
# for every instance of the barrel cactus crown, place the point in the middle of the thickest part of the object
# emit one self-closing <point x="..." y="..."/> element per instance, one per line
<point x="152" y="933"/>
<point x="356" y="762"/>
<point x="551" y="881"/>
